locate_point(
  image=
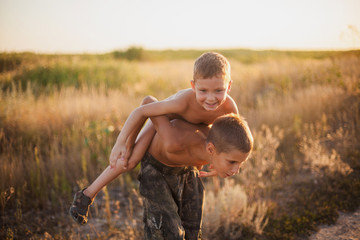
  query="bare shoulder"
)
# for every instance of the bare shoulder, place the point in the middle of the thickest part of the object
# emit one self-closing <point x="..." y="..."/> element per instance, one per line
<point x="230" y="105"/>
<point x="181" y="100"/>
<point x="182" y="95"/>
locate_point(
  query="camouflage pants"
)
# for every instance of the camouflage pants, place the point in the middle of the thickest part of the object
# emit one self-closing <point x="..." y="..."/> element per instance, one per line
<point x="173" y="200"/>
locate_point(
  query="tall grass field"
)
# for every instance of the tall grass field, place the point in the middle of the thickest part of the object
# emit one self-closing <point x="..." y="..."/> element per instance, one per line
<point x="60" y="116"/>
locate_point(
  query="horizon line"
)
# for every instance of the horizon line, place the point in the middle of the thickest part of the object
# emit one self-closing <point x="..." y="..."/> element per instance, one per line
<point x="185" y="49"/>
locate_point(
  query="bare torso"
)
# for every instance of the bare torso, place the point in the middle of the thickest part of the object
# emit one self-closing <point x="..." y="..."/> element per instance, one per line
<point x="190" y="141"/>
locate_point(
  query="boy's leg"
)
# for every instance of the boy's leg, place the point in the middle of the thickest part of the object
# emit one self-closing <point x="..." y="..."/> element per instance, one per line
<point x="84" y="198"/>
<point x="110" y="174"/>
<point x="161" y="217"/>
<point x="192" y="205"/>
<point x="161" y="220"/>
<point x="79" y="209"/>
<point x="103" y="179"/>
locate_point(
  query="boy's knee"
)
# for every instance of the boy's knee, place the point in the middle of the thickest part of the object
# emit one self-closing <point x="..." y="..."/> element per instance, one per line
<point x="148" y="99"/>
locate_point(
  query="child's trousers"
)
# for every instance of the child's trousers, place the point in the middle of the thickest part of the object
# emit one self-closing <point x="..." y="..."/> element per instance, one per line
<point x="173" y="200"/>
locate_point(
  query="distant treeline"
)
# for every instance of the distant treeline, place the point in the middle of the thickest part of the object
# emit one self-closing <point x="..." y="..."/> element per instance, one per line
<point x="246" y="56"/>
<point x="9" y="61"/>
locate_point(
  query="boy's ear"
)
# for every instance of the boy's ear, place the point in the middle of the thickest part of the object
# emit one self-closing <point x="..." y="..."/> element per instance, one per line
<point x="229" y="86"/>
<point x="210" y="148"/>
<point x="192" y="82"/>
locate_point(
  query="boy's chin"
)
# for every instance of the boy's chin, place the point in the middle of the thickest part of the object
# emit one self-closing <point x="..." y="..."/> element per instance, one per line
<point x="223" y="175"/>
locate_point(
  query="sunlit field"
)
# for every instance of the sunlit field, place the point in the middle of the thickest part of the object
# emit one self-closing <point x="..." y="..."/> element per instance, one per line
<point x="60" y="116"/>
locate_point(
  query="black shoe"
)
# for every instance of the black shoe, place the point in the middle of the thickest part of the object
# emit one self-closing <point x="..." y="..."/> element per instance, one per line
<point x="79" y="209"/>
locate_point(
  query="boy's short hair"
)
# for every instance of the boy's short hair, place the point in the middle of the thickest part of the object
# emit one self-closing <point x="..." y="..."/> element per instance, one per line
<point x="211" y="64"/>
<point x="231" y="132"/>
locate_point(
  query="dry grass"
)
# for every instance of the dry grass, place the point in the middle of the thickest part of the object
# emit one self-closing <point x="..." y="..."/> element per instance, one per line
<point x="228" y="212"/>
<point x="55" y="138"/>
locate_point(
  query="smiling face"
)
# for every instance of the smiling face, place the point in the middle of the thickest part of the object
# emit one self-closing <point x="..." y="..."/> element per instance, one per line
<point x="211" y="92"/>
<point x="228" y="163"/>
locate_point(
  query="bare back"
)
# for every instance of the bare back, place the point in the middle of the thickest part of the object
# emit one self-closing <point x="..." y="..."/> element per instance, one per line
<point x="181" y="145"/>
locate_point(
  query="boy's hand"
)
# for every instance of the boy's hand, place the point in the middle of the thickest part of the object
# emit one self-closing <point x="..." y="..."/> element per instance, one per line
<point x="118" y="153"/>
<point x="122" y="151"/>
<point x="207" y="174"/>
<point x="212" y="172"/>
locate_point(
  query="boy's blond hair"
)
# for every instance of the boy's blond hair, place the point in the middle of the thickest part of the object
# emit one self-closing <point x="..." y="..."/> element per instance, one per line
<point x="211" y="64"/>
<point x="231" y="132"/>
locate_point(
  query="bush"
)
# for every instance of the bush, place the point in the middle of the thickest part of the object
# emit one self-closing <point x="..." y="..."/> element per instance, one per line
<point x="131" y="54"/>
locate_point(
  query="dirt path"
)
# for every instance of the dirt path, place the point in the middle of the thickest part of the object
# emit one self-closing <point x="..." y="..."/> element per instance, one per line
<point x="347" y="227"/>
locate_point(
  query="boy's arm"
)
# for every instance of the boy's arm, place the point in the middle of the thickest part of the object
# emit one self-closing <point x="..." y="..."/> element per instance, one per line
<point x="142" y="143"/>
<point x="143" y="139"/>
<point x="129" y="145"/>
<point x="136" y="119"/>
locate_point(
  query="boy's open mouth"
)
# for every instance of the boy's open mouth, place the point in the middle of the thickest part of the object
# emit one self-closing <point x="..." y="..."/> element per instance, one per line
<point x="211" y="104"/>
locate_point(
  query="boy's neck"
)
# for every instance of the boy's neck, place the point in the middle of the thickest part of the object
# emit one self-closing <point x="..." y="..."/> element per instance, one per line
<point x="199" y="152"/>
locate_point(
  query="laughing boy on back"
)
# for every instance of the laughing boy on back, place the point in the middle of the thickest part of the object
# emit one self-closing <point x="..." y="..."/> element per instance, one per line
<point x="206" y="100"/>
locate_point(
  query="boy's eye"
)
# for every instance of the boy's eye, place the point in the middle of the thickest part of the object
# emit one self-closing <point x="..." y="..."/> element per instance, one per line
<point x="202" y="90"/>
<point x="219" y="90"/>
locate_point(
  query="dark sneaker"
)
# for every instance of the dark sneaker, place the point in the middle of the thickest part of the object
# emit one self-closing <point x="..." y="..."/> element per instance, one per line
<point x="79" y="209"/>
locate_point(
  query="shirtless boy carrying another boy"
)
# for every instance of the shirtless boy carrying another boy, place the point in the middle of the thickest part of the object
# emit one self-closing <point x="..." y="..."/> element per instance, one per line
<point x="172" y="191"/>
<point x="206" y="100"/>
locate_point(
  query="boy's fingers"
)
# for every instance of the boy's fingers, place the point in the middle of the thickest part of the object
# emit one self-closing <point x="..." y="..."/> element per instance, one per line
<point x="111" y="163"/>
<point x="112" y="159"/>
<point x="126" y="158"/>
<point x="207" y="174"/>
<point x="127" y="155"/>
<point x="122" y="159"/>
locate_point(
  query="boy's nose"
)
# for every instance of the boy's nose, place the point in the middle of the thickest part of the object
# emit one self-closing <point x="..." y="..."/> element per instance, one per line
<point x="211" y="96"/>
<point x="236" y="169"/>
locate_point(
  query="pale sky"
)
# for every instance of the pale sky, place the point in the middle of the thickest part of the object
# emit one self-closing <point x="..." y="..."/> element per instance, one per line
<point x="97" y="26"/>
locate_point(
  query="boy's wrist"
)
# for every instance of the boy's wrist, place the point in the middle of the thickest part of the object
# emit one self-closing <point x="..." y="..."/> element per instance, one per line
<point x="121" y="139"/>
